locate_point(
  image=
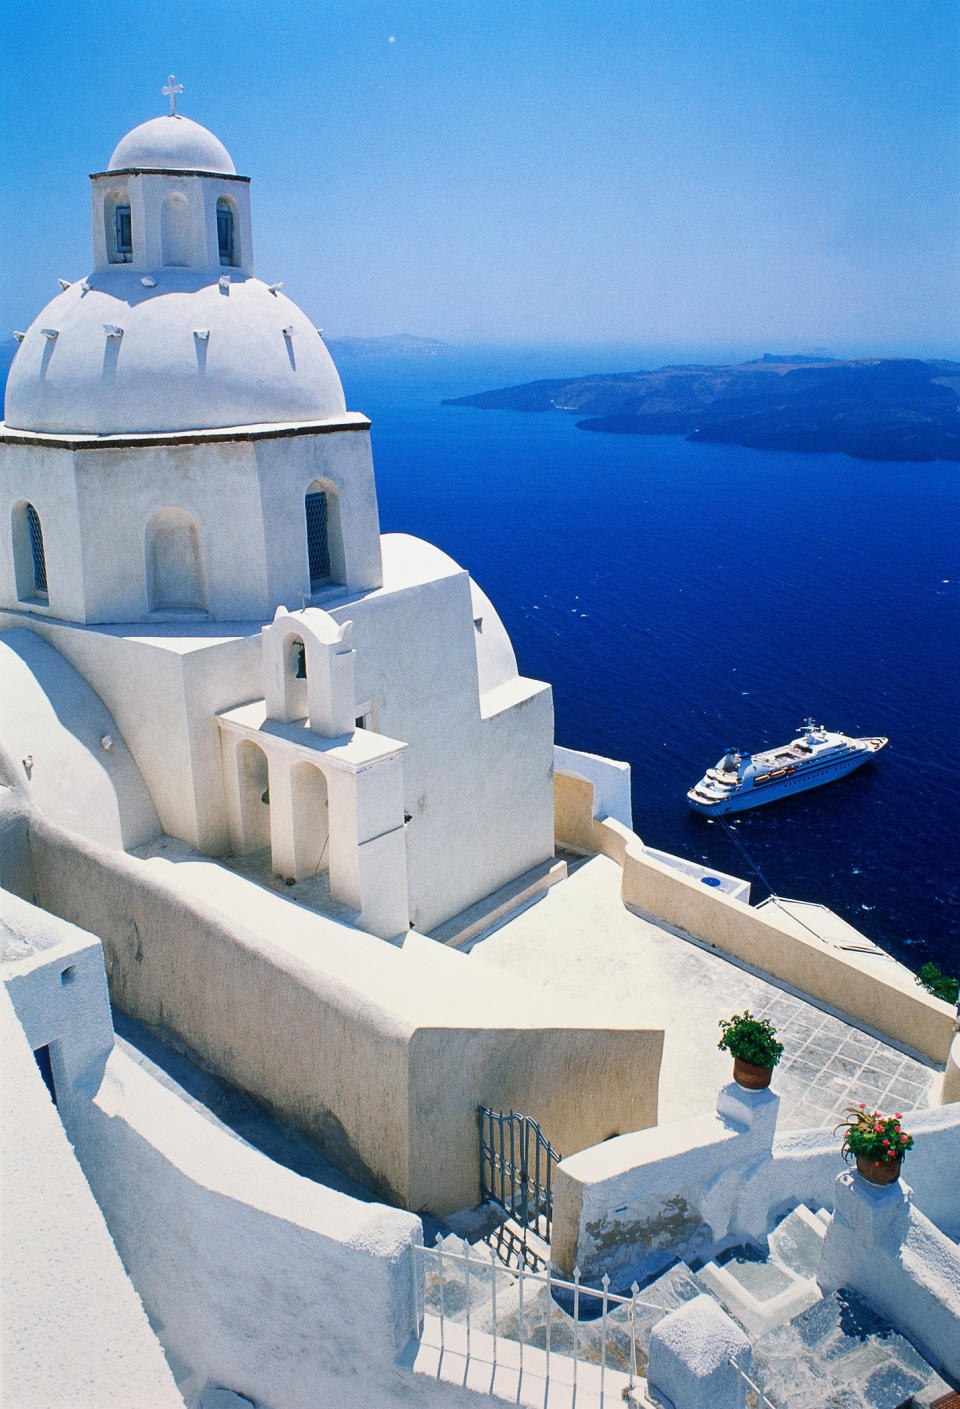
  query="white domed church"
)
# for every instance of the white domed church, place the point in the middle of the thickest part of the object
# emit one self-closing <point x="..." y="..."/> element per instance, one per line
<point x="264" y="771"/>
<point x="265" y="754"/>
<point x="192" y="525"/>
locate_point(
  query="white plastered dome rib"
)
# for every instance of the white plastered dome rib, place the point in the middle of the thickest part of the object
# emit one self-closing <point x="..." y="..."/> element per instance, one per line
<point x="162" y="374"/>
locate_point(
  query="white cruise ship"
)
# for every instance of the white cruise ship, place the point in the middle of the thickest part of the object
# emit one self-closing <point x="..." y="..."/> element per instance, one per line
<point x="742" y="780"/>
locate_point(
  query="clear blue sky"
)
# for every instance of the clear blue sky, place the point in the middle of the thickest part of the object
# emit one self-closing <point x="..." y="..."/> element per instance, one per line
<point x="688" y="174"/>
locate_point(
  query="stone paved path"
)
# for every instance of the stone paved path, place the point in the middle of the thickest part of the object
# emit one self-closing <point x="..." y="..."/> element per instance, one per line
<point x="827" y="1063"/>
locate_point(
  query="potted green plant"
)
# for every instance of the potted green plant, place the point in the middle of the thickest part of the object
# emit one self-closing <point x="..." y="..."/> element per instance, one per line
<point x="877" y="1142"/>
<point x="752" y="1042"/>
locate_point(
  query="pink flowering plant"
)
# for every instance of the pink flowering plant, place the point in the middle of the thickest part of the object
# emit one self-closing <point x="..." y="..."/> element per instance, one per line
<point x="880" y="1137"/>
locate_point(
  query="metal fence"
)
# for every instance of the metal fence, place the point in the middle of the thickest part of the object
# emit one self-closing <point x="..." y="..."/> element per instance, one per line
<point x="563" y="1341"/>
<point x="512" y="1316"/>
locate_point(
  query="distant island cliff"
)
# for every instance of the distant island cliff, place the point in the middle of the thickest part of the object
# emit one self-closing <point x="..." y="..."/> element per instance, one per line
<point x="399" y="344"/>
<point x="873" y="409"/>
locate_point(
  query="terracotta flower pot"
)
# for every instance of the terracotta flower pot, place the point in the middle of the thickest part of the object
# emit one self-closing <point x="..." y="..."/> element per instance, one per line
<point x="879" y="1171"/>
<point x="754" y="1078"/>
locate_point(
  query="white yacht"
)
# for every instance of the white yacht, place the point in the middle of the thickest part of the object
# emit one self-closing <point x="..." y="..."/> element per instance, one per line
<point x="742" y="780"/>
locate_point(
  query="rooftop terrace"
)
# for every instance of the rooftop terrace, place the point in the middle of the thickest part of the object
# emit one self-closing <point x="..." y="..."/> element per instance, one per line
<point x="580" y="938"/>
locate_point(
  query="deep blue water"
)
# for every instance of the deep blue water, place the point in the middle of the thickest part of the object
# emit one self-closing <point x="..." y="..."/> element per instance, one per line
<point x="681" y="598"/>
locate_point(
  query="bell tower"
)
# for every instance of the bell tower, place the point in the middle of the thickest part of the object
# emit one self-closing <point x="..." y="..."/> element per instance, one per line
<point x="171" y="198"/>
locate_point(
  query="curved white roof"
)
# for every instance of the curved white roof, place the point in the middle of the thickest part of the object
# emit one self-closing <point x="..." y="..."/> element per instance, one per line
<point x="172" y="143"/>
<point x="162" y="374"/>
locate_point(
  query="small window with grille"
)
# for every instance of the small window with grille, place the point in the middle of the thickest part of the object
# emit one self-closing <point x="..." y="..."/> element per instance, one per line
<point x="318" y="547"/>
<point x="36" y="552"/>
<point x="225" y="235"/>
<point x="122" y="234"/>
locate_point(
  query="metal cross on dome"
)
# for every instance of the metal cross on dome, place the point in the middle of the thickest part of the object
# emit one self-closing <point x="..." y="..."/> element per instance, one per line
<point x="171" y="90"/>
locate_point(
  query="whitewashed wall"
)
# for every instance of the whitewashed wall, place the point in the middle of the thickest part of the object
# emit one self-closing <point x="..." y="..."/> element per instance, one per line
<point x="255" y="1279"/>
<point x="676" y="1188"/>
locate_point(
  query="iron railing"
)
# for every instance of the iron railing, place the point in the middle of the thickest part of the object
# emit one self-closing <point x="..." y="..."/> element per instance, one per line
<point x="469" y="1323"/>
<point x="599" y="1347"/>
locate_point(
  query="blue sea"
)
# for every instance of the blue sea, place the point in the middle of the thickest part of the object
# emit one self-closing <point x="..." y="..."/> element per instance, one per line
<point x="682" y="598"/>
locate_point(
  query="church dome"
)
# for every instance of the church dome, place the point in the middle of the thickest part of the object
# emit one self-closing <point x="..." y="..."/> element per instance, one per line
<point x="171" y="331"/>
<point x="190" y="352"/>
<point x="171" y="143"/>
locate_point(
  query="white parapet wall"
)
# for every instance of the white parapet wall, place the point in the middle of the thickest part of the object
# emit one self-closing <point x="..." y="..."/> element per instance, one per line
<point x="381" y="1054"/>
<point x="609" y="778"/>
<point x="887" y="1002"/>
<point x="250" y="1272"/>
<point x="950" y="1091"/>
<point x="625" y="1206"/>
<point x="883" y="1246"/>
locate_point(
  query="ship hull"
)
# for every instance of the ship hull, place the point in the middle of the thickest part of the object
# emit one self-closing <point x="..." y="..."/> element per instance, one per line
<point x="802" y="780"/>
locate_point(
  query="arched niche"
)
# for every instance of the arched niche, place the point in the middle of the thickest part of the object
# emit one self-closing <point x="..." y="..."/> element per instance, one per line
<point x="29" y="553"/>
<point x="118" y="227"/>
<point x="175" y="580"/>
<point x="175" y="229"/>
<point x="324" y="534"/>
<point x="228" y="231"/>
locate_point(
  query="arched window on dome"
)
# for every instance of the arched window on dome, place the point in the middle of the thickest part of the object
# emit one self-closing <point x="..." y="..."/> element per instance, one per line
<point x="227" y="232"/>
<point x="324" y="536"/>
<point x="175" y="581"/>
<point x="175" y="229"/>
<point x="118" y="228"/>
<point x="29" y="557"/>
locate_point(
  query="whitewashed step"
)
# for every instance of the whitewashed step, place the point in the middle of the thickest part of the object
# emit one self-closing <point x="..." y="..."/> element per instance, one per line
<point x="797" y="1240"/>
<point x="756" y="1289"/>
<point x="842" y="1352"/>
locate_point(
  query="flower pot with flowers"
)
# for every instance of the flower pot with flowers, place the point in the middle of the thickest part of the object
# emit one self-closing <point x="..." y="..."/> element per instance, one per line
<point x="752" y="1043"/>
<point x="877" y="1143"/>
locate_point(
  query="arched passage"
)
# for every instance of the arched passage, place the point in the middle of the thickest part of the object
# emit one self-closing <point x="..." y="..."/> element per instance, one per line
<point x="29" y="554"/>
<point x="254" y="787"/>
<point x="311" y="820"/>
<point x="175" y="580"/>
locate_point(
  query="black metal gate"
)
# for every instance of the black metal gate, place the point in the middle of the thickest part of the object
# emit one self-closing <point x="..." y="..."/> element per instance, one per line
<point x="516" y="1168"/>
